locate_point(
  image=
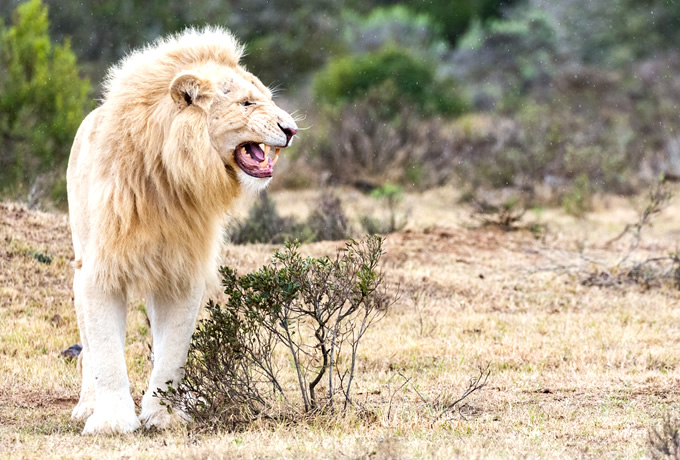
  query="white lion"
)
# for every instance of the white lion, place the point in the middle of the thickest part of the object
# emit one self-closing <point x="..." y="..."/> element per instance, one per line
<point x="183" y="130"/>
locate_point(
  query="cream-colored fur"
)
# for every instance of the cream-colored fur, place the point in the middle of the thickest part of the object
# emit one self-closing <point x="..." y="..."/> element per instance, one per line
<point x="150" y="179"/>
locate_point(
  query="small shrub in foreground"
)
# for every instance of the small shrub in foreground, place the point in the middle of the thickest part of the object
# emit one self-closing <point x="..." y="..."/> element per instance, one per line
<point x="286" y="341"/>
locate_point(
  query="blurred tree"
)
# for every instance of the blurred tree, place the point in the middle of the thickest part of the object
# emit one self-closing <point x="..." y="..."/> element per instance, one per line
<point x="287" y="39"/>
<point x="455" y="16"/>
<point x="506" y="59"/>
<point x="396" y="26"/>
<point x="615" y="32"/>
<point x="104" y="30"/>
<point x="42" y="100"/>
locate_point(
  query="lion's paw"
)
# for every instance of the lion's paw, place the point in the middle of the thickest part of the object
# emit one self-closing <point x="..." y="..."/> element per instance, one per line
<point x="112" y="418"/>
<point x="82" y="410"/>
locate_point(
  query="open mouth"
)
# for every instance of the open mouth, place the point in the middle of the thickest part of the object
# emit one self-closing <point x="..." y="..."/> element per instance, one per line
<point x="254" y="159"/>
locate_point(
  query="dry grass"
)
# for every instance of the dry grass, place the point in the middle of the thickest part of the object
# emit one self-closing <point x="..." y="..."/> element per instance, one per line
<point x="576" y="371"/>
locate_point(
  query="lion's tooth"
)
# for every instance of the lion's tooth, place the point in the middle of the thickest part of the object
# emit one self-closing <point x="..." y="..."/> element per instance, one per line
<point x="267" y="148"/>
<point x="278" y="149"/>
<point x="264" y="163"/>
<point x="243" y="150"/>
<point x="276" y="157"/>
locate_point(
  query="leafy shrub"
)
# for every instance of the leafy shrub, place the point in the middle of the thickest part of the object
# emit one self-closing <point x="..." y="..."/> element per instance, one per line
<point x="287" y="339"/>
<point x="42" y="101"/>
<point x="382" y="118"/>
<point x="396" y="220"/>
<point x="394" y="77"/>
<point x="507" y="216"/>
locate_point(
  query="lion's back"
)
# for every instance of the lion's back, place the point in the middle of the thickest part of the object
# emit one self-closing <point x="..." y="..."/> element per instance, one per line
<point x="78" y="179"/>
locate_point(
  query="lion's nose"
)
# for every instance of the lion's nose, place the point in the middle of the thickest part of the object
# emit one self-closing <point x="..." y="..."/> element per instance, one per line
<point x="289" y="132"/>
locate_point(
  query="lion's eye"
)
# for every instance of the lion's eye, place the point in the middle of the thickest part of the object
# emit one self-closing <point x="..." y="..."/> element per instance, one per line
<point x="247" y="103"/>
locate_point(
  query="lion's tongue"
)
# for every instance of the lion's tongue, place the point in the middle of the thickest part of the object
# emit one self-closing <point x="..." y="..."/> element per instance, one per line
<point x="254" y="151"/>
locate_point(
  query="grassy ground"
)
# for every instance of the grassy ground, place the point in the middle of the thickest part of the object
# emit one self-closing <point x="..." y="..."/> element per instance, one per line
<point x="576" y="371"/>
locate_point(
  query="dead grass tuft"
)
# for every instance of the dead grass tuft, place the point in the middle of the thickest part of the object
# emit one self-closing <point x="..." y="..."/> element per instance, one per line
<point x="664" y="442"/>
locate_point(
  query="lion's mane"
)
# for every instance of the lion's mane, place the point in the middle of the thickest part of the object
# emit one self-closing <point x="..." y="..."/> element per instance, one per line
<point x="155" y="192"/>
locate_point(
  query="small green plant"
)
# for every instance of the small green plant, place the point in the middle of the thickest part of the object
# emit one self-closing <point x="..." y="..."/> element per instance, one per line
<point x="287" y="339"/>
<point x="43" y="258"/>
<point x="392" y="196"/>
<point x="578" y="200"/>
<point x="506" y="216"/>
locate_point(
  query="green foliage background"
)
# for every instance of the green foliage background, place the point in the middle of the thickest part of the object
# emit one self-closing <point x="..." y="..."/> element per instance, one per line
<point x="42" y="101"/>
<point x="482" y="93"/>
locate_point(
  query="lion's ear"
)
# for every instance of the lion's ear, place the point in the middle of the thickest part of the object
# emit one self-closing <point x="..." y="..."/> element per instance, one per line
<point x="189" y="89"/>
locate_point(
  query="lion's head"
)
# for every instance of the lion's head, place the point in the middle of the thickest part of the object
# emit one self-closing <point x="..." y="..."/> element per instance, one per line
<point x="246" y="128"/>
<point x="182" y="132"/>
<point x="188" y="102"/>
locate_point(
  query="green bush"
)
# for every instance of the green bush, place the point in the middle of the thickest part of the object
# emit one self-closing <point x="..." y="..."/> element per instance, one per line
<point x="287" y="340"/>
<point x="394" y="77"/>
<point x="42" y="101"/>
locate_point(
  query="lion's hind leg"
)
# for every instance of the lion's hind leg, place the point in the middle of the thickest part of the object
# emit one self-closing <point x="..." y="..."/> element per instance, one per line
<point x="172" y="324"/>
<point x="85" y="405"/>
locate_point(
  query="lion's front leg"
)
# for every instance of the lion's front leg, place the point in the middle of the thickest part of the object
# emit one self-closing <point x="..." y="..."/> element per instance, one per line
<point x="172" y="324"/>
<point x="104" y="329"/>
